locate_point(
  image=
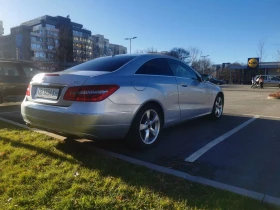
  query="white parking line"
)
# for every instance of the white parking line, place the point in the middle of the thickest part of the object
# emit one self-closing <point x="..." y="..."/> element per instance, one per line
<point x="264" y="116"/>
<point x="208" y="146"/>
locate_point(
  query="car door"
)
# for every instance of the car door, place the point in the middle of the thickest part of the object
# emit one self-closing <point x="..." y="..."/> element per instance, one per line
<point x="10" y="80"/>
<point x="194" y="97"/>
<point x="274" y="81"/>
<point x="267" y="81"/>
<point x="159" y="83"/>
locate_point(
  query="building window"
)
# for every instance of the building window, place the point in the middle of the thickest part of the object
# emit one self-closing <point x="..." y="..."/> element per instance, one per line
<point x="36" y="46"/>
<point x="77" y="33"/>
<point x="50" y="47"/>
<point x="36" y="39"/>
<point x="40" y="55"/>
<point x="50" y="26"/>
<point x="52" y="33"/>
<point x="36" y="28"/>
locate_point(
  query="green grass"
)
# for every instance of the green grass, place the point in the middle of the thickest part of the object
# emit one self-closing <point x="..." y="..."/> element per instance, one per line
<point x="38" y="172"/>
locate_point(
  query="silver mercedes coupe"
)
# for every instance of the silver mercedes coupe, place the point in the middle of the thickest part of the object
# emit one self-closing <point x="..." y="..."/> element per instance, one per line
<point x="130" y="97"/>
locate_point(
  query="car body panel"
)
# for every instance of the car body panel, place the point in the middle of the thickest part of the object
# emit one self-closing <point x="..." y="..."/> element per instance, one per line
<point x="112" y="117"/>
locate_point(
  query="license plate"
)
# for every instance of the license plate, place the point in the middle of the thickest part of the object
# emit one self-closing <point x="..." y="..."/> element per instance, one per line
<point x="47" y="93"/>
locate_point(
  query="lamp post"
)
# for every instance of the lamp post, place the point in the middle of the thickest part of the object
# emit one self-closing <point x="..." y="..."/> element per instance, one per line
<point x="130" y="42"/>
<point x="204" y="56"/>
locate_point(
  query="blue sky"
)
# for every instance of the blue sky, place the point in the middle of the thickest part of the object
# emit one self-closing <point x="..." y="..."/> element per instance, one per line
<point x="227" y="31"/>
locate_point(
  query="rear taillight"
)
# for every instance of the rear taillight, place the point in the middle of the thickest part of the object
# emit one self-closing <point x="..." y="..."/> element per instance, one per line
<point x="93" y="93"/>
<point x="28" y="91"/>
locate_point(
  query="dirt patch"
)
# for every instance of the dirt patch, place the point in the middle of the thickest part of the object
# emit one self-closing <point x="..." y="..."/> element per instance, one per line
<point x="275" y="95"/>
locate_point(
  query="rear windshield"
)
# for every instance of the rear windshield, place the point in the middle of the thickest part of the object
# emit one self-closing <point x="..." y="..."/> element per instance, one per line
<point x="110" y="64"/>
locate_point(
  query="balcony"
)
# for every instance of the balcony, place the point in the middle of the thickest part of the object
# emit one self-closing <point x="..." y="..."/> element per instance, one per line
<point x="35" y="34"/>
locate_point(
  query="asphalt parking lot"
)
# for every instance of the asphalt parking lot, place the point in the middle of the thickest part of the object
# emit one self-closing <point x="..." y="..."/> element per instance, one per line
<point x="241" y="149"/>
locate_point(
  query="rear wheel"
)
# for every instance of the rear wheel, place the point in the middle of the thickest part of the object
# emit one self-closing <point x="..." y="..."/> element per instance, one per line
<point x="145" y="128"/>
<point x="218" y="107"/>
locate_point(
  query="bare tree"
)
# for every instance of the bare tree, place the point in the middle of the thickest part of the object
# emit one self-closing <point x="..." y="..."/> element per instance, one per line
<point x="261" y="49"/>
<point x="180" y="53"/>
<point x="151" y="50"/>
<point x="203" y="65"/>
<point x="195" y="53"/>
<point x="139" y="52"/>
<point x="148" y="50"/>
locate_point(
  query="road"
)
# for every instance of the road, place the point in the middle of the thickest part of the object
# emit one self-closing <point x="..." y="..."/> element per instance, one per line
<point x="241" y="149"/>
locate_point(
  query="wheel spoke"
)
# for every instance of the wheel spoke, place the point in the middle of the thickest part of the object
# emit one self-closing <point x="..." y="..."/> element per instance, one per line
<point x="156" y="119"/>
<point x="217" y="103"/>
<point x="148" y="114"/>
<point x="217" y="112"/>
<point x="153" y="131"/>
<point x="147" y="135"/>
<point x="143" y="127"/>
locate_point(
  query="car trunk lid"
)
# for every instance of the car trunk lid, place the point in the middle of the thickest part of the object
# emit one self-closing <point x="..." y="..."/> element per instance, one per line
<point x="49" y="88"/>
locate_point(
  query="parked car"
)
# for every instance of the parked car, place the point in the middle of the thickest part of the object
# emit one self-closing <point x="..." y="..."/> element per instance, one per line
<point x="123" y="96"/>
<point x="14" y="79"/>
<point x="217" y="81"/>
<point x="270" y="80"/>
<point x="207" y="77"/>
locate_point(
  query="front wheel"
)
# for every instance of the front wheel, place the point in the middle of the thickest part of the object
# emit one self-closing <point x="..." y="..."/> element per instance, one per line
<point x="218" y="107"/>
<point x="145" y="128"/>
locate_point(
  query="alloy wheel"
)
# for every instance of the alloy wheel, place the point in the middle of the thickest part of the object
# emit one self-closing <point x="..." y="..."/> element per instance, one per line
<point x="218" y="107"/>
<point x="149" y="126"/>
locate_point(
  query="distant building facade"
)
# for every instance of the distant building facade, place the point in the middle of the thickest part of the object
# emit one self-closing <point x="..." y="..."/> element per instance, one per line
<point x="117" y="49"/>
<point x="1" y="28"/>
<point x="55" y="39"/>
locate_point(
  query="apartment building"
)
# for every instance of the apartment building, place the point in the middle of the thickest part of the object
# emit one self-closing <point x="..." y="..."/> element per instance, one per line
<point x="49" y="39"/>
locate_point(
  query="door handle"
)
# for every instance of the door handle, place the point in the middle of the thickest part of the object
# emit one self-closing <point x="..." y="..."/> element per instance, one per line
<point x="184" y="85"/>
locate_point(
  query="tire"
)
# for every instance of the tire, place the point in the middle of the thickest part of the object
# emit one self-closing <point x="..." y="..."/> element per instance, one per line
<point x="145" y="128"/>
<point x="218" y="107"/>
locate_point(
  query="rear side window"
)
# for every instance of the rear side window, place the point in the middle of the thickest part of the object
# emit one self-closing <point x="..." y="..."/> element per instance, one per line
<point x="109" y="64"/>
<point x="30" y="71"/>
<point x="7" y="69"/>
<point x="158" y="66"/>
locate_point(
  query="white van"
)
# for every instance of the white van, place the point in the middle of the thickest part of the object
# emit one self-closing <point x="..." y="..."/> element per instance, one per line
<point x="270" y="80"/>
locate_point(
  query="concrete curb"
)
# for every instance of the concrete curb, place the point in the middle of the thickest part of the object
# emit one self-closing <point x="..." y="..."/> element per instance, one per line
<point x="244" y="192"/>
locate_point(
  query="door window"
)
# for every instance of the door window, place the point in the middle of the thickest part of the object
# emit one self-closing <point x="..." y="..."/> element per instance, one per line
<point x="181" y="70"/>
<point x="275" y="78"/>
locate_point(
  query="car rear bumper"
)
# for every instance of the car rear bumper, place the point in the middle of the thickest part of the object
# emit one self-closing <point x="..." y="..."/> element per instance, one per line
<point x="109" y="122"/>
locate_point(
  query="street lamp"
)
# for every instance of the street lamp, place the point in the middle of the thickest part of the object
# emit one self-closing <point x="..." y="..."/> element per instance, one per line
<point x="204" y="56"/>
<point x="130" y="41"/>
